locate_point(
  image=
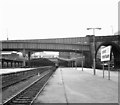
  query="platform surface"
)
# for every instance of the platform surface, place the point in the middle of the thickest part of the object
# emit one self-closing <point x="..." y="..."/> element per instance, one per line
<point x="71" y="85"/>
<point x="12" y="70"/>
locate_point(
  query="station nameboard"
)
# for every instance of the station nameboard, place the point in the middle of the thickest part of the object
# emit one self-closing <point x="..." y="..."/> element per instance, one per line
<point x="105" y="53"/>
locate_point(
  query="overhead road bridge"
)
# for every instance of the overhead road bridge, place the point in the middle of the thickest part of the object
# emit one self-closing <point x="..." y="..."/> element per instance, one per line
<point x="77" y="44"/>
<point x="37" y="46"/>
<point x="82" y="45"/>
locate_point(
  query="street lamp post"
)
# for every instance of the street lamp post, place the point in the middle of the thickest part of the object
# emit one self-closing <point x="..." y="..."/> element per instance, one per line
<point x="76" y="58"/>
<point x="82" y="59"/>
<point x="76" y="50"/>
<point x="94" y="63"/>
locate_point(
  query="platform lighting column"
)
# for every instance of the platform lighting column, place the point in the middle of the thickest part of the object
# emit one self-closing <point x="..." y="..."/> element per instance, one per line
<point x="94" y="63"/>
<point x="72" y="64"/>
<point x="82" y="54"/>
<point x="76" y="64"/>
<point x="82" y="57"/>
<point x="76" y="57"/>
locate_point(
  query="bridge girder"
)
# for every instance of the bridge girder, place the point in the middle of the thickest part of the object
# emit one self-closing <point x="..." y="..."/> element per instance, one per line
<point x="17" y="46"/>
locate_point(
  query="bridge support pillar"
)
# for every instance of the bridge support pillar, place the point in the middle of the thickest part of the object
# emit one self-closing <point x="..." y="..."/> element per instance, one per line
<point x="15" y="64"/>
<point x="68" y="64"/>
<point x="72" y="63"/>
<point x="2" y="64"/>
<point x="29" y="57"/>
<point x="11" y="64"/>
<point x="24" y="55"/>
<point x="19" y="64"/>
<point x="7" y="64"/>
<point x="88" y="59"/>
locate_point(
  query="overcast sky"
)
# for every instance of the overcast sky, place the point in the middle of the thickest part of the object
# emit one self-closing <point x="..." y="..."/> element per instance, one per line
<point x="38" y="19"/>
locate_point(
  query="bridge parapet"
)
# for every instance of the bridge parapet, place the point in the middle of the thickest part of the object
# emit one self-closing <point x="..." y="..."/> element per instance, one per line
<point x="72" y="40"/>
<point x="104" y="38"/>
<point x="13" y="46"/>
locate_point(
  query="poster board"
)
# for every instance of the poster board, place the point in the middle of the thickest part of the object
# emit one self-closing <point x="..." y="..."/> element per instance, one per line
<point x="105" y="53"/>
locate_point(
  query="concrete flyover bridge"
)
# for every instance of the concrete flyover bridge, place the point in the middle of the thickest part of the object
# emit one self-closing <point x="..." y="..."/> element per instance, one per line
<point x="38" y="46"/>
<point x="82" y="45"/>
<point x="78" y="44"/>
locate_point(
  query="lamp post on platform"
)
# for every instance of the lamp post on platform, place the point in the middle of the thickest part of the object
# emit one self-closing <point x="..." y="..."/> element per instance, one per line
<point x="94" y="63"/>
<point x="77" y="50"/>
<point x="81" y="43"/>
<point x="75" y="56"/>
<point x="82" y="57"/>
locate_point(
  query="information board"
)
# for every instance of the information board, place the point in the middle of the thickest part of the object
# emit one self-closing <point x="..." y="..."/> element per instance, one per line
<point x="105" y="53"/>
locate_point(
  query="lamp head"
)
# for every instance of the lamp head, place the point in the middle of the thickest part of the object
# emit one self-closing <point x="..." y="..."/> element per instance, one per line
<point x="99" y="28"/>
<point x="94" y="28"/>
<point x="89" y="28"/>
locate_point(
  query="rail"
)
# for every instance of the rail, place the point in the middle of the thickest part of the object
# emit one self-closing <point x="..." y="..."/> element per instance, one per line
<point x="28" y="94"/>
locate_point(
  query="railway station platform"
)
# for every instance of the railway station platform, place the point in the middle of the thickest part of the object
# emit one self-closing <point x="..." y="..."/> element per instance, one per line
<point x="72" y="85"/>
<point x="12" y="70"/>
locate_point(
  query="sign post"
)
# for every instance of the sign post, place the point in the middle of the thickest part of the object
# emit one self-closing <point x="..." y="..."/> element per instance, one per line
<point x="109" y="70"/>
<point x="105" y="56"/>
<point x="103" y="69"/>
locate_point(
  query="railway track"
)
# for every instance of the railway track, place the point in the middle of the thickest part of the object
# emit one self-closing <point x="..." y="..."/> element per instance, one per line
<point x="29" y="94"/>
<point x="9" y="79"/>
<point x="4" y="87"/>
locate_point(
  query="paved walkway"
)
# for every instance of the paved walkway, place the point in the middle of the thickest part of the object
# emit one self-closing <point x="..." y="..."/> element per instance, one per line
<point x="70" y="85"/>
<point x="12" y="70"/>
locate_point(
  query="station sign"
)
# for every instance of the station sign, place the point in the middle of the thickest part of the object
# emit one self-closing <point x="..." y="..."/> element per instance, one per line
<point x="105" y="53"/>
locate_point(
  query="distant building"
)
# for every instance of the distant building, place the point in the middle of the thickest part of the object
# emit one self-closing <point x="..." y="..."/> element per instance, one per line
<point x="69" y="55"/>
<point x="43" y="55"/>
<point x="64" y="55"/>
<point x="12" y="56"/>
